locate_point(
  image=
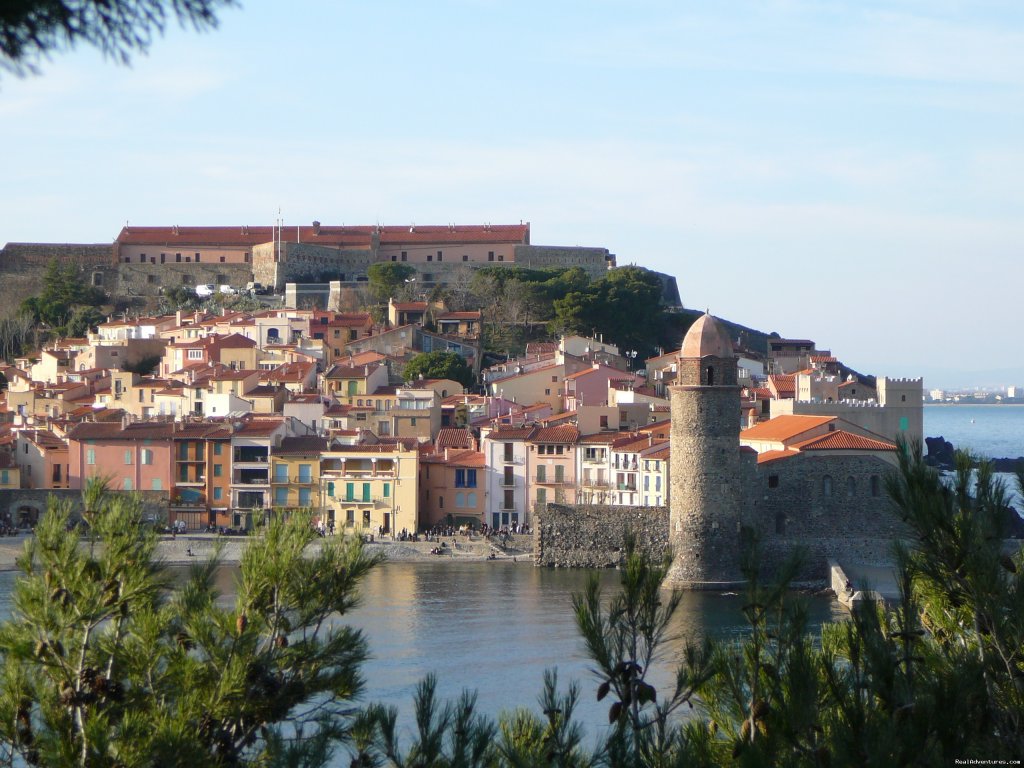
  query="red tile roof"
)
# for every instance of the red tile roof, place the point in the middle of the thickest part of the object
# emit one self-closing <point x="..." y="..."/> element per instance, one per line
<point x="783" y="384"/>
<point x="564" y="433"/>
<point x="841" y="440"/>
<point x="453" y="437"/>
<point x="784" y="427"/>
<point x="349" y="237"/>
<point x="764" y="458"/>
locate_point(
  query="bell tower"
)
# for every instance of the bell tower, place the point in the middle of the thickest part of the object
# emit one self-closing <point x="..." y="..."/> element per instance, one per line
<point x="706" y="508"/>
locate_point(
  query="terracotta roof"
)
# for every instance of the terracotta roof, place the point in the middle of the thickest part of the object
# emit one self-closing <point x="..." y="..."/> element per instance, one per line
<point x="338" y="236"/>
<point x="453" y="437"/>
<point x="764" y="458"/>
<point x="564" y="433"/>
<point x="339" y="371"/>
<point x="259" y="427"/>
<point x="305" y="444"/>
<point x="113" y="430"/>
<point x="511" y="433"/>
<point x="600" y="438"/>
<point x="784" y="427"/>
<point x="541" y="347"/>
<point x="411" y="306"/>
<point x="783" y="384"/>
<point x="843" y="440"/>
<point x="463" y="458"/>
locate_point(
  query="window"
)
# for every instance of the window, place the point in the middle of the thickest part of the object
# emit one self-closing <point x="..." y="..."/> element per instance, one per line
<point x="128" y="456"/>
<point x="471" y="499"/>
<point x="304" y="496"/>
<point x="412" y="422"/>
<point x="851" y="487"/>
<point x="501" y="257"/>
<point x="773" y="481"/>
<point x="394" y="257"/>
<point x="177" y="257"/>
<point x="128" y="484"/>
<point x="404" y="256"/>
<point x="490" y="255"/>
<point x="541" y="475"/>
<point x="218" y="493"/>
<point x="350" y="491"/>
<point x="460" y="499"/>
<point x="559" y="474"/>
<point x="430" y="257"/>
<point x="826" y="485"/>
<point x="366" y="518"/>
<point x="158" y="484"/>
<point x="147" y="459"/>
<point x="90" y="456"/>
<point x="280" y="473"/>
<point x="508" y="451"/>
<point x="280" y="497"/>
<point x="350" y="518"/>
<point x="387" y="490"/>
<point x="465" y="257"/>
<point x="330" y="490"/>
<point x="195" y="354"/>
<point x="508" y="502"/>
<point x="216" y="449"/>
<point x="440" y="502"/>
<point x="305" y="473"/>
<point x="542" y="495"/>
<point x="508" y="479"/>
<point x="439" y="256"/>
<point x="4" y="477"/>
<point x="56" y="473"/>
<point x="875" y="486"/>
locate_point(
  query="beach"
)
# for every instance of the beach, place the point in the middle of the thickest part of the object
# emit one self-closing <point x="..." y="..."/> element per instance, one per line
<point x="174" y="550"/>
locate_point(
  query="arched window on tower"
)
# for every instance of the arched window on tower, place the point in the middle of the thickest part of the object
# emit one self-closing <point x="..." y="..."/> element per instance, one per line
<point x="710" y="371"/>
<point x="876" y="486"/>
<point x="826" y="485"/>
<point x="851" y="487"/>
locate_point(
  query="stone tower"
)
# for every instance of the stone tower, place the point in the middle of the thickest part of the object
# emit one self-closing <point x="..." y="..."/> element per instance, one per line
<point x="706" y="472"/>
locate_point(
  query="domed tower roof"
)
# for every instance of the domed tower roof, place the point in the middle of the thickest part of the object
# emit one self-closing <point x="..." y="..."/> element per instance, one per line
<point x="705" y="338"/>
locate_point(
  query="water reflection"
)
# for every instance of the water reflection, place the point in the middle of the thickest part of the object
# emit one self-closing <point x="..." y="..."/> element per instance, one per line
<point x="493" y="628"/>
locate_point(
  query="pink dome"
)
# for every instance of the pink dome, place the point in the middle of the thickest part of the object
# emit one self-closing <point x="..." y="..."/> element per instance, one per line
<point x="705" y="338"/>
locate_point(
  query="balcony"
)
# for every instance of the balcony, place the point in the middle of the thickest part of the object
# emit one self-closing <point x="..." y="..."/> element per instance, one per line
<point x="503" y="508"/>
<point x="507" y="482"/>
<point x="595" y="460"/>
<point x="590" y="483"/>
<point x="552" y="481"/>
<point x="195" y="481"/>
<point x="251" y="481"/>
<point x="511" y="460"/>
<point x="256" y="456"/>
<point x="295" y="480"/>
<point x="625" y="487"/>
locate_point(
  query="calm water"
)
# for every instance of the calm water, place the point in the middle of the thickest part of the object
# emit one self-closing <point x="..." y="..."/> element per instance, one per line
<point x="495" y="628"/>
<point x="993" y="431"/>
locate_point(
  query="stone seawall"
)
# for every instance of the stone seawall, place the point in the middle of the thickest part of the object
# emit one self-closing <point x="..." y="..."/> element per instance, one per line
<point x="25" y="505"/>
<point x="593" y="536"/>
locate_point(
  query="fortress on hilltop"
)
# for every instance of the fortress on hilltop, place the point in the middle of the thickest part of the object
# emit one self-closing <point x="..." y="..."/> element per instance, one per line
<point x="143" y="261"/>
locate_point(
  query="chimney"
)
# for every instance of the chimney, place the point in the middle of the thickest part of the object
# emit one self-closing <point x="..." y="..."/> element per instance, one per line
<point x="316" y="227"/>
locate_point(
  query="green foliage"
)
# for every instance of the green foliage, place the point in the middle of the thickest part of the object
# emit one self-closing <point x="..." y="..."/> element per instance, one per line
<point x="624" y="306"/>
<point x="439" y="365"/>
<point x="145" y="365"/>
<point x="388" y="279"/>
<point x="65" y="303"/>
<point x="32" y="29"/>
<point x="102" y="665"/>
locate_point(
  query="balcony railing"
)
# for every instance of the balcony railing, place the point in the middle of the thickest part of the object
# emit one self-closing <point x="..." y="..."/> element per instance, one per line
<point x="193" y="481"/>
<point x="626" y="487"/>
<point x="592" y="483"/>
<point x="595" y="459"/>
<point x="552" y="481"/>
<point x="295" y="480"/>
<point x="251" y="481"/>
<point x="507" y="482"/>
<point x="511" y="460"/>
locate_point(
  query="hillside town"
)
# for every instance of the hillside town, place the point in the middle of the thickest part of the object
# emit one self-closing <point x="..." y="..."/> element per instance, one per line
<point x="245" y="412"/>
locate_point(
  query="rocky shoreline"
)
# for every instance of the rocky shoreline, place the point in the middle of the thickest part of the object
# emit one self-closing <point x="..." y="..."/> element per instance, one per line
<point x="940" y="454"/>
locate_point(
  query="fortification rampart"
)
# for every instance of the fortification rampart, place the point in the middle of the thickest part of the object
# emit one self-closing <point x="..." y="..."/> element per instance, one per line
<point x="594" y="536"/>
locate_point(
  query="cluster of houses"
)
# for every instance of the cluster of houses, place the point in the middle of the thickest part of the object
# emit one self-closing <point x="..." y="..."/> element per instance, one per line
<point x="227" y="416"/>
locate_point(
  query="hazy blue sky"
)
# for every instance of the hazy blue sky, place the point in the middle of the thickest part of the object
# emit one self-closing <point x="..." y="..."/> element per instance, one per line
<point x="847" y="172"/>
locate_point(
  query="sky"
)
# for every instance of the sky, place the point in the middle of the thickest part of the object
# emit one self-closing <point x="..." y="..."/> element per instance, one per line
<point x="848" y="172"/>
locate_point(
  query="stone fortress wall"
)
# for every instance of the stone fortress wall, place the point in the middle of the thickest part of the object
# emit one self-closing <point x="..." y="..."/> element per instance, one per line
<point x="593" y="536"/>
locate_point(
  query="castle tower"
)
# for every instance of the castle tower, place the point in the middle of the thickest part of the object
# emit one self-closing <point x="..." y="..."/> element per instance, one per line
<point x="707" y="483"/>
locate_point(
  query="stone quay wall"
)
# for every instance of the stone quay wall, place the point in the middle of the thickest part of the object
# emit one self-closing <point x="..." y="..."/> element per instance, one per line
<point x="593" y="536"/>
<point x="17" y="505"/>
